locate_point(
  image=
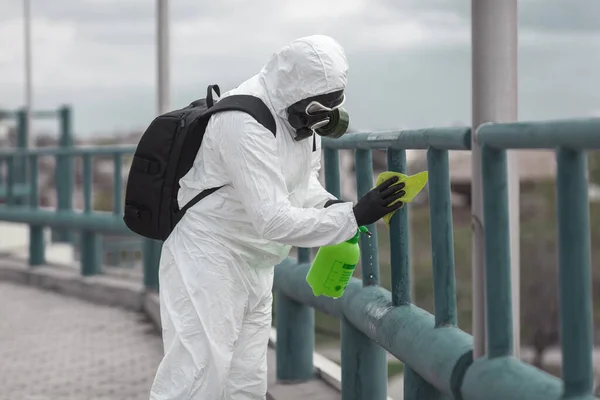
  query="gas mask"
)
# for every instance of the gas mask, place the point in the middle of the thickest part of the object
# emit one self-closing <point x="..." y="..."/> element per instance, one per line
<point x="322" y="114"/>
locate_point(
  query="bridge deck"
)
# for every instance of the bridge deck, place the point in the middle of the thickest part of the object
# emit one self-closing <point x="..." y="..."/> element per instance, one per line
<point x="53" y="346"/>
<point x="58" y="346"/>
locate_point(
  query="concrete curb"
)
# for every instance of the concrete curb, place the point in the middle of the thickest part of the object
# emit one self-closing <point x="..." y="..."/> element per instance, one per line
<point x="99" y="289"/>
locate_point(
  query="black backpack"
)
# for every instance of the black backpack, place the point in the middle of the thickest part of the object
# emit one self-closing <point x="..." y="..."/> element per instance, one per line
<point x="166" y="152"/>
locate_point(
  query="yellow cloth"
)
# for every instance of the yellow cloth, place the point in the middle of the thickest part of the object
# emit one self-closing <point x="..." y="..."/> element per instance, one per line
<point x="413" y="185"/>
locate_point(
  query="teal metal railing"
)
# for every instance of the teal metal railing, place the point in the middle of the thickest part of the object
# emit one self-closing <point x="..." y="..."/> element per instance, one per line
<point x="15" y="189"/>
<point x="117" y="250"/>
<point x="17" y="171"/>
<point x="89" y="224"/>
<point x="437" y="355"/>
<point x="571" y="139"/>
<point x="372" y="319"/>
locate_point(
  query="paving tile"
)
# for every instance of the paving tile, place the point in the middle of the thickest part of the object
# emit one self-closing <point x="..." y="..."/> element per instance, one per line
<point x="54" y="347"/>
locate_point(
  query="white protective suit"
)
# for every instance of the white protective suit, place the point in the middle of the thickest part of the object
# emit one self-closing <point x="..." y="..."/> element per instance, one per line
<point x="216" y="268"/>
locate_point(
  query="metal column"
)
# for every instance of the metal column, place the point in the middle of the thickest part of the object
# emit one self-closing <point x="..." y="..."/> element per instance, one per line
<point x="162" y="54"/>
<point x="152" y="248"/>
<point x="28" y="73"/>
<point x="494" y="80"/>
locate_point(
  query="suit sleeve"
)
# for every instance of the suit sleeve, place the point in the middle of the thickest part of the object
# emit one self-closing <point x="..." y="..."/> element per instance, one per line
<point x="250" y="156"/>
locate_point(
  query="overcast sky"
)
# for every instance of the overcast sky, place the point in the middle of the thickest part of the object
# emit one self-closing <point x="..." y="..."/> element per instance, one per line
<point x="409" y="60"/>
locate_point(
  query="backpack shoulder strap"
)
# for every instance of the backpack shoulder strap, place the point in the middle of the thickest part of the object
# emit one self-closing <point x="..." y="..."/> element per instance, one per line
<point x="196" y="199"/>
<point x="240" y="102"/>
<point x="250" y="105"/>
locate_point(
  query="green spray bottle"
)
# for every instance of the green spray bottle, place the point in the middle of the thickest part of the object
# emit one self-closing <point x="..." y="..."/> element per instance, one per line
<point x="334" y="265"/>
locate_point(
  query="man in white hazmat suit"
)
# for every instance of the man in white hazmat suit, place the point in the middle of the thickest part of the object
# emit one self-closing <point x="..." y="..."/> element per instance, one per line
<point x="216" y="268"/>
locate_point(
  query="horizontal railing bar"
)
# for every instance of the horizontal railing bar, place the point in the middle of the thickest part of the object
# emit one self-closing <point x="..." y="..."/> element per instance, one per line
<point x="452" y="138"/>
<point x="39" y="114"/>
<point x="442" y="138"/>
<point x="42" y="114"/>
<point x="5" y="114"/>
<point x="509" y="378"/>
<point x="406" y="331"/>
<point x="287" y="284"/>
<point x="581" y="133"/>
<point x="105" y="223"/>
<point x="77" y="211"/>
<point x="75" y="151"/>
<point x="123" y="244"/>
<point x="443" y="356"/>
<point x="18" y="190"/>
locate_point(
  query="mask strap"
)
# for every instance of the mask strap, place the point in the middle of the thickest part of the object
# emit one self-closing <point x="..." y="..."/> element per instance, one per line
<point x="322" y="107"/>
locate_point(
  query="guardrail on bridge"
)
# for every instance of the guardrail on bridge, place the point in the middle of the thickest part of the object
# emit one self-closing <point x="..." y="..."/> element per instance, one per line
<point x="437" y="354"/>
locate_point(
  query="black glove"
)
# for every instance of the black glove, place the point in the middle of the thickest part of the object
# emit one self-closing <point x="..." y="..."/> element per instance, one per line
<point x="375" y="204"/>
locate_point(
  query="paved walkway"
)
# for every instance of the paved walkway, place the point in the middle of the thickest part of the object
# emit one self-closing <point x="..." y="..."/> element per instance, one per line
<point x="54" y="347"/>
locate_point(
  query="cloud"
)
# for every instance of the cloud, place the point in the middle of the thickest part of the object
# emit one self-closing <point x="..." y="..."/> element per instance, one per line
<point x="410" y="59"/>
<point x="573" y="16"/>
<point x="579" y="16"/>
<point x="54" y="43"/>
<point x="112" y="42"/>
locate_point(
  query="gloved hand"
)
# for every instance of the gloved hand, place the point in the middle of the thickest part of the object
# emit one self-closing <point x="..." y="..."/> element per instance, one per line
<point x="375" y="204"/>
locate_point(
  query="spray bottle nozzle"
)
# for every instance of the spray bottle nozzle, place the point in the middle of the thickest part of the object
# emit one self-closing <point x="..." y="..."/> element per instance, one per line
<point x="364" y="230"/>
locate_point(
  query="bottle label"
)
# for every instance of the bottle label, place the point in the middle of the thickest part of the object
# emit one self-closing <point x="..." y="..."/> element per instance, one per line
<point x="339" y="276"/>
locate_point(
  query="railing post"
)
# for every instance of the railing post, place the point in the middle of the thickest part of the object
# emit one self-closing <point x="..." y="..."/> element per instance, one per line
<point x="368" y="245"/>
<point x="297" y="337"/>
<point x="2" y="172"/>
<point x="575" y="293"/>
<point x="64" y="177"/>
<point x="333" y="186"/>
<point x="20" y="172"/>
<point x="10" y="180"/>
<point x="91" y="247"/>
<point x="295" y="324"/>
<point x="36" y="232"/>
<point x="415" y="387"/>
<point x="442" y="246"/>
<point x="442" y="238"/>
<point x="499" y="328"/>
<point x="494" y="71"/>
<point x="364" y="362"/>
<point x="399" y="239"/>
<point x="332" y="172"/>
<point x="118" y="184"/>
<point x="151" y="260"/>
